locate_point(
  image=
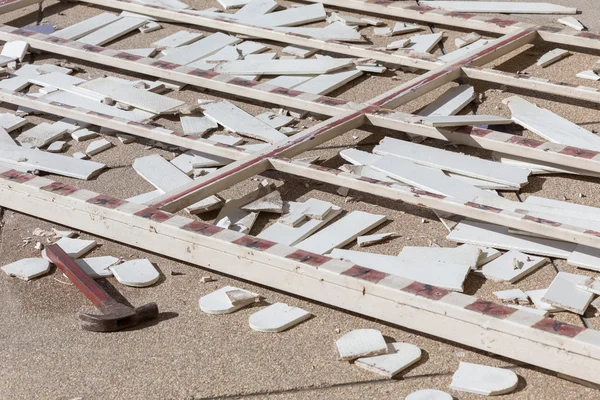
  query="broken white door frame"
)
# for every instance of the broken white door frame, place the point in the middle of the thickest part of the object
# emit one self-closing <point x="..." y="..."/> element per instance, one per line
<point x="419" y="60"/>
<point x="518" y="334"/>
<point x="487" y="139"/>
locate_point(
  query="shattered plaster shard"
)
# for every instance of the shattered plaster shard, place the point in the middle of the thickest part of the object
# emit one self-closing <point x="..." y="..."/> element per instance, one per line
<point x="97" y="267"/>
<point x="400" y="356"/>
<point x="82" y="135"/>
<point x="591" y="285"/>
<point x="317" y="209"/>
<point x="341" y="232"/>
<point x="178" y="39"/>
<point x="361" y="343"/>
<point x="277" y="318"/>
<point x="512" y="266"/>
<point x="591" y="75"/>
<point x="429" y="394"/>
<point x="197" y="125"/>
<point x="272" y="202"/>
<point x="564" y="293"/>
<point x="512" y="296"/>
<point x="56" y="147"/>
<point x="136" y="273"/>
<point x="283" y="67"/>
<point x="218" y="302"/>
<point x="27" y="268"/>
<point x="424" y="43"/>
<point x="41" y="135"/>
<point x="484" y="380"/>
<point x="15" y="49"/>
<point x="572" y="22"/>
<point x="467" y="39"/>
<point x="364" y="241"/>
<point x="75" y="248"/>
<point x="451" y="102"/>
<point x="536" y="297"/>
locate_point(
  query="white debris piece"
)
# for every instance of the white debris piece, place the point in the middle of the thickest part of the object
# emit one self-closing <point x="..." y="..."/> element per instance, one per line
<point x="272" y="202"/>
<point x="136" y="273"/>
<point x="177" y="39"/>
<point x="591" y="75"/>
<point x="150" y="26"/>
<point x="41" y="135"/>
<point x="397" y="29"/>
<point x="367" y="240"/>
<point x="97" y="267"/>
<point x="425" y="43"/>
<point x="467" y="39"/>
<point x="277" y="318"/>
<point x="400" y="356"/>
<point x="512" y="296"/>
<point x="564" y="293"/>
<point x="80" y="156"/>
<point x="317" y="209"/>
<point x="82" y="135"/>
<point x="484" y="380"/>
<point x="125" y="138"/>
<point x="75" y="248"/>
<point x="429" y="394"/>
<point x="298" y="51"/>
<point x="512" y="266"/>
<point x="218" y="302"/>
<point x="552" y="56"/>
<point x="536" y="297"/>
<point x="56" y="147"/>
<point x="572" y="22"/>
<point x="275" y="120"/>
<point x="535" y="311"/>
<point x="591" y="285"/>
<point x="15" y="49"/>
<point x="67" y="234"/>
<point x="97" y="146"/>
<point x="487" y="254"/>
<point x="197" y="125"/>
<point x="398" y="44"/>
<point x="348" y="19"/>
<point x="361" y="343"/>
<point x="27" y="268"/>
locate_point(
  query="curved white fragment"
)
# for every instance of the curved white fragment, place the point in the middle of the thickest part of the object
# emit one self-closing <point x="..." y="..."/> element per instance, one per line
<point x="361" y="343"/>
<point x="428" y="394"/>
<point x="482" y="379"/>
<point x="218" y="302"/>
<point x="136" y="273"/>
<point x="27" y="268"/>
<point x="277" y="317"/>
<point x="400" y="356"/>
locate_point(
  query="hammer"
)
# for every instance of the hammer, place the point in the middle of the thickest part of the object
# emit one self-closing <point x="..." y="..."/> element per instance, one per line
<point x="114" y="315"/>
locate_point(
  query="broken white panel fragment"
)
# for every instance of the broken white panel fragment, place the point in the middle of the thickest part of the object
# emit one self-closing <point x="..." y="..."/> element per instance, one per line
<point x="463" y="164"/>
<point x="87" y="26"/>
<point x="585" y="257"/>
<point x="200" y="49"/>
<point x="484" y="380"/>
<point x="283" y="67"/>
<point x="231" y="4"/>
<point x="277" y="318"/>
<point x="233" y="217"/>
<point x="535" y="311"/>
<point x="400" y="356"/>
<point x="397" y="29"/>
<point x="429" y="394"/>
<point x="347" y="19"/>
<point x="275" y="120"/>
<point x="500" y="7"/>
<point x="512" y="266"/>
<point x="572" y="22"/>
<point x="27" y="268"/>
<point x="564" y="293"/>
<point x="237" y="120"/>
<point x="56" y="147"/>
<point x="197" y="125"/>
<point x="6" y="138"/>
<point x="97" y="267"/>
<point x="218" y="302"/>
<point x="591" y="75"/>
<point x="440" y="121"/>
<point x="424" y="43"/>
<point x="361" y="343"/>
<point x="272" y="202"/>
<point x="136" y="273"/>
<point x="112" y="31"/>
<point x="550" y="126"/>
<point x="177" y="39"/>
<point x="341" y="232"/>
<point x="98" y="146"/>
<point x="256" y="8"/>
<point x="536" y="297"/>
<point x="462" y="255"/>
<point x="191" y="159"/>
<point x="138" y="98"/>
<point x="10" y="122"/>
<point x="317" y="209"/>
<point x="299" y="51"/>
<point x="462" y="52"/>
<point x="291" y="235"/>
<point x="364" y="241"/>
<point x="552" y="56"/>
<point x="326" y="83"/>
<point x="41" y="135"/>
<point x="82" y="135"/>
<point x="75" y="248"/>
<point x="437" y="273"/>
<point x="451" y="102"/>
<point x="467" y="39"/>
<point x="496" y="236"/>
<point x="15" y="49"/>
<point x="290" y="17"/>
<point x="150" y="26"/>
<point x="591" y="285"/>
<point x="512" y="296"/>
<point x="398" y="44"/>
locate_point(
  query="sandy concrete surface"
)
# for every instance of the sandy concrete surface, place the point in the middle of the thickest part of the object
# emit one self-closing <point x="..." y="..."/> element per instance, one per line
<point x="187" y="354"/>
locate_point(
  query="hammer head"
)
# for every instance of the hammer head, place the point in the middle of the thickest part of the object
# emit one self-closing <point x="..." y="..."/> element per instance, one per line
<point x="117" y="316"/>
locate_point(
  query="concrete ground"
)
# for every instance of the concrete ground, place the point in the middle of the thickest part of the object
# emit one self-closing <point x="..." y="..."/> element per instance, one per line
<point x="187" y="354"/>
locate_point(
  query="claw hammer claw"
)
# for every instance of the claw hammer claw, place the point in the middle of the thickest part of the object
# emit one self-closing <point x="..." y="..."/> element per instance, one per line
<point x="114" y="315"/>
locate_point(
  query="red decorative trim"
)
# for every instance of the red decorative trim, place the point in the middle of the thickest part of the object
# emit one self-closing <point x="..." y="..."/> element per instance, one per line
<point x="366" y="274"/>
<point x="428" y="291"/>
<point x="558" y="327"/>
<point x="60" y="188"/>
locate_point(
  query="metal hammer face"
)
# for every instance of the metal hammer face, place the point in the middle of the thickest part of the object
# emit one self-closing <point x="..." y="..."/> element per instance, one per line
<point x="116" y="317"/>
